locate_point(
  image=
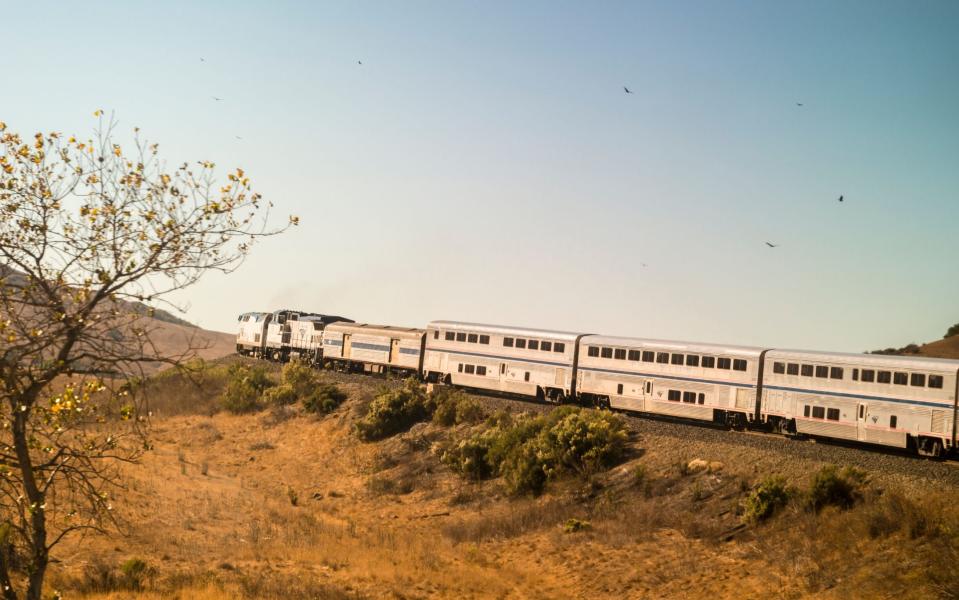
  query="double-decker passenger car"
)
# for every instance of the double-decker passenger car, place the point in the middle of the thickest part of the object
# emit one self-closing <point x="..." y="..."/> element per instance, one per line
<point x="374" y="348"/>
<point x="708" y="382"/>
<point x="890" y="400"/>
<point x="531" y="362"/>
<point x="251" y="337"/>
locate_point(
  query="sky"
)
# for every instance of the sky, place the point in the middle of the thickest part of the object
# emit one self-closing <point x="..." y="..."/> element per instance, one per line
<point x="484" y="162"/>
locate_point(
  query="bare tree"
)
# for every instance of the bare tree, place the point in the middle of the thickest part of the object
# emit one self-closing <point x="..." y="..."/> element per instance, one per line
<point x="87" y="233"/>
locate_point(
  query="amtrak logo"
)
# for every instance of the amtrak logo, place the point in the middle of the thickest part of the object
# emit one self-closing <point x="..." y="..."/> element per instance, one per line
<point x="875" y="419"/>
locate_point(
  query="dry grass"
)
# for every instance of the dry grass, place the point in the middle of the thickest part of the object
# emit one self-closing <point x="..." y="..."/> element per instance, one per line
<point x="210" y="509"/>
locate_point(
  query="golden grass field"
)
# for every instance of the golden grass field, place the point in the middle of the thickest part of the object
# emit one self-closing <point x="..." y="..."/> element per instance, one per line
<point x="280" y="504"/>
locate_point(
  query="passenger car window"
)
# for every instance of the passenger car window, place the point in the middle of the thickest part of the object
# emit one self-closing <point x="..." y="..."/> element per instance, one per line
<point x="792" y="369"/>
<point x="822" y="371"/>
<point x="450" y="336"/>
<point x="534" y="345"/>
<point x="868" y="375"/>
<point x="917" y="380"/>
<point x="620" y="354"/>
<point x="484" y="339"/>
<point x="678" y="359"/>
<point x="884" y="377"/>
<point x="520" y="343"/>
<point x="606" y="352"/>
<point x="725" y="363"/>
<point x="818" y="412"/>
<point x="832" y="414"/>
<point x="593" y="351"/>
<point x="779" y="368"/>
<point x="806" y="370"/>
<point x="559" y="347"/>
<point x="662" y="358"/>
<point x="508" y="342"/>
<point x="739" y="365"/>
<point x="546" y="346"/>
<point x="900" y="378"/>
<point x="835" y="373"/>
<point x="460" y="337"/>
<point x="935" y="381"/>
<point x="709" y="362"/>
<point x="633" y="355"/>
<point x="648" y="356"/>
<point x="472" y="338"/>
<point x="692" y="360"/>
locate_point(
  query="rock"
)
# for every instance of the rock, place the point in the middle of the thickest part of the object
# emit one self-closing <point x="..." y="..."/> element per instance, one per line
<point x="696" y="465"/>
<point x="715" y="466"/>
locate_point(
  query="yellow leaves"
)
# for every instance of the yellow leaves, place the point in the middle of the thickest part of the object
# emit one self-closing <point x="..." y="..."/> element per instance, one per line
<point x="72" y="140"/>
<point x="3" y="126"/>
<point x="294" y="220"/>
<point x="93" y="178"/>
<point x="165" y="179"/>
<point x="98" y="112"/>
<point x="116" y="150"/>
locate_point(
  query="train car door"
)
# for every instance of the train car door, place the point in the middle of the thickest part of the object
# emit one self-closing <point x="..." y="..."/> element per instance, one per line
<point x="394" y="351"/>
<point x="647" y="395"/>
<point x="347" y="345"/>
<point x="861" y="420"/>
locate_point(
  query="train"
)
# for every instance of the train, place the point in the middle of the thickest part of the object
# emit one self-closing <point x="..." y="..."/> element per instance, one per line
<point x="905" y="402"/>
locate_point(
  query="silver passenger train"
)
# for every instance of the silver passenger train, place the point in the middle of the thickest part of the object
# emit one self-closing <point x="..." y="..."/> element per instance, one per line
<point x="903" y="402"/>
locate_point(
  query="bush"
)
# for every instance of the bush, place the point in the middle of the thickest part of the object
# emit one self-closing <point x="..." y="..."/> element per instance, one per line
<point x="470" y="456"/>
<point x="766" y="499"/>
<point x="834" y="487"/>
<point x="324" y="398"/>
<point x="528" y="451"/>
<point x="954" y="330"/>
<point x="394" y="411"/>
<point x="280" y="395"/>
<point x="244" y="386"/>
<point x="134" y="574"/>
<point x="453" y="407"/>
<point x="300" y="377"/>
<point x="573" y="525"/>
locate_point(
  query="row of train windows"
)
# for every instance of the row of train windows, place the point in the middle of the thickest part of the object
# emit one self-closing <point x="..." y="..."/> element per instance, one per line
<point x="865" y="375"/>
<point x="543" y="345"/>
<point x="821" y="412"/>
<point x="687" y="397"/>
<point x="690" y="360"/>
<point x="832" y="414"/>
<point x="472" y="369"/>
<point x="460" y="336"/>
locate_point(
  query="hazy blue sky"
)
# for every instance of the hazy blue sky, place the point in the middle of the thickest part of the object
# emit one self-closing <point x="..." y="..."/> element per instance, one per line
<point x="485" y="164"/>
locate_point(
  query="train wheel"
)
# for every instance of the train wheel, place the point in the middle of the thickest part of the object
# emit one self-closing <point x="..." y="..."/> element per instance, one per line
<point x="930" y="447"/>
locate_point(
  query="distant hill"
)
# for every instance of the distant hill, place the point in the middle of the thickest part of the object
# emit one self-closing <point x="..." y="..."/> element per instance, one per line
<point x="947" y="347"/>
<point x="170" y="334"/>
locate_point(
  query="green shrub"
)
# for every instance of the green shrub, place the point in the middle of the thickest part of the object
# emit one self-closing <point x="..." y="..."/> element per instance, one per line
<point x="244" y="386"/>
<point x="300" y="377"/>
<point x="324" y="398"/>
<point x="394" y="411"/>
<point x="528" y="451"/>
<point x="954" y="330"/>
<point x="134" y="574"/>
<point x="573" y="525"/>
<point x="453" y="407"/>
<point x="834" y="487"/>
<point x="586" y="441"/>
<point x="470" y="456"/>
<point x="766" y="499"/>
<point x="280" y="395"/>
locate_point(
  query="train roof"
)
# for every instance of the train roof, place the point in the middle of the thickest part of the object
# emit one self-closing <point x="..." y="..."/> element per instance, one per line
<point x="878" y="360"/>
<point x="568" y="336"/>
<point x="678" y="346"/>
<point x="381" y="329"/>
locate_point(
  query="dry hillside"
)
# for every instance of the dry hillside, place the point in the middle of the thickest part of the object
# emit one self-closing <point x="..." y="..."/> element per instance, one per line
<point x="944" y="348"/>
<point x="284" y="504"/>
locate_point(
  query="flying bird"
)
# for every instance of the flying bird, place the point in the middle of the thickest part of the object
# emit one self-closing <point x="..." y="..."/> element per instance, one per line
<point x="215" y="98"/>
<point x="238" y="137"/>
<point x="202" y="59"/>
<point x="628" y="91"/>
<point x="840" y="198"/>
<point x="799" y="104"/>
<point x="359" y="62"/>
<point x="772" y="245"/>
